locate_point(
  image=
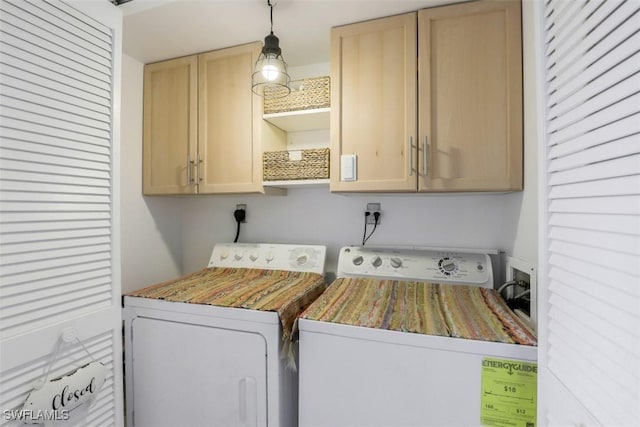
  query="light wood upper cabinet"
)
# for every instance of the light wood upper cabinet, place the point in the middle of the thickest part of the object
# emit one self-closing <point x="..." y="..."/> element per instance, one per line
<point x="470" y="97"/>
<point x="203" y="127"/>
<point x="170" y="126"/>
<point x="229" y="122"/>
<point x="374" y="100"/>
<point x="448" y="79"/>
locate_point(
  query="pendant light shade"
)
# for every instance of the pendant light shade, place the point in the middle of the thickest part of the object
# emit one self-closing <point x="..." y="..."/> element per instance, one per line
<point x="270" y="77"/>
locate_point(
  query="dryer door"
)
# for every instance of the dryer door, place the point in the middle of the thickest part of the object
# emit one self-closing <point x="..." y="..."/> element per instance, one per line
<point x="194" y="375"/>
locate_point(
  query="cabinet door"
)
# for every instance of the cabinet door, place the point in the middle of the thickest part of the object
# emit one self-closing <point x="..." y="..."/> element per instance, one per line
<point x="470" y="97"/>
<point x="170" y="126"/>
<point x="373" y="111"/>
<point x="230" y="116"/>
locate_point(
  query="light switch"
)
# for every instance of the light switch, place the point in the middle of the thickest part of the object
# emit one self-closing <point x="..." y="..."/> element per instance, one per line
<point x="348" y="166"/>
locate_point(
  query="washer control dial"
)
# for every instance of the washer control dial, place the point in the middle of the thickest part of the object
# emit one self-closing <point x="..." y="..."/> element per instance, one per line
<point x="376" y="261"/>
<point x="447" y="266"/>
<point x="357" y="260"/>
<point x="238" y="256"/>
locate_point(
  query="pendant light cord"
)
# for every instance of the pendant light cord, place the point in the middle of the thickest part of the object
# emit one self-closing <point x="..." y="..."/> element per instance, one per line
<point x="271" y="14"/>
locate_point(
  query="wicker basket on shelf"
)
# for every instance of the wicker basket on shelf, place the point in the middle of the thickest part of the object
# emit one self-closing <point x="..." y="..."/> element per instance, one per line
<point x="305" y="94"/>
<point x="296" y="165"/>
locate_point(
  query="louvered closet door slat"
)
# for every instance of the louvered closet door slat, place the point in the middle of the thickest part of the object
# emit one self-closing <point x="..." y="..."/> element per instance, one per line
<point x="621" y="57"/>
<point x="36" y="61"/>
<point x="600" y="368"/>
<point x="563" y="16"/>
<point x="586" y="45"/>
<point x="20" y="14"/>
<point x="54" y="123"/>
<point x="22" y="186"/>
<point x="602" y="333"/>
<point x="100" y="128"/>
<point x="562" y="158"/>
<point x="39" y="99"/>
<point x="610" y="223"/>
<point x="41" y="226"/>
<point x="622" y="205"/>
<point x="58" y="133"/>
<point x="618" y="88"/>
<point x="621" y="261"/>
<point x="605" y="187"/>
<point x="626" y="127"/>
<point x="585" y="88"/>
<point x="595" y="399"/>
<point x="44" y="158"/>
<point x="40" y="77"/>
<point x="53" y="145"/>
<point x="31" y="178"/>
<point x="59" y="150"/>
<point x="60" y="284"/>
<point x="614" y="279"/>
<point x="49" y="56"/>
<point x="623" y="166"/>
<point x="53" y="92"/>
<point x="597" y="239"/>
<point x="90" y="29"/>
<point x="68" y="31"/>
<point x="613" y="299"/>
<point x="606" y="116"/>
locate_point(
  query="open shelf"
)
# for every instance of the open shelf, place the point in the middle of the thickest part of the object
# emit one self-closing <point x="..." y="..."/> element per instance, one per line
<point x="306" y="183"/>
<point x="300" y="120"/>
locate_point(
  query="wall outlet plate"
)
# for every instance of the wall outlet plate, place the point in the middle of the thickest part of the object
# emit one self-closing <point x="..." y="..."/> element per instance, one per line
<point x="371" y="208"/>
<point x="244" y="208"/>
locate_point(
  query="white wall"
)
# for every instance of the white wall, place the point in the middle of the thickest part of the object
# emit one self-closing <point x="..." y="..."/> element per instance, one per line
<point x="155" y="247"/>
<point x="319" y="217"/>
<point x="151" y="227"/>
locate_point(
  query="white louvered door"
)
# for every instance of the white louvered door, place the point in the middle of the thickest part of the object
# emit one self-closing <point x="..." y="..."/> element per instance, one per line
<point x="59" y="254"/>
<point x="590" y="213"/>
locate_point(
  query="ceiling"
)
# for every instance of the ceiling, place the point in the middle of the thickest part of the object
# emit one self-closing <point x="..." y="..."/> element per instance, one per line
<point x="161" y="29"/>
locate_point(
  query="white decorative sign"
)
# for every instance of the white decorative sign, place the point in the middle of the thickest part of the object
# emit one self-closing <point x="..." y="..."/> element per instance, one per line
<point x="60" y="395"/>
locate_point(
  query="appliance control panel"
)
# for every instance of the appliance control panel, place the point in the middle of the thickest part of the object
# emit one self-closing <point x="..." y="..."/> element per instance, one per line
<point x="429" y="265"/>
<point x="309" y="258"/>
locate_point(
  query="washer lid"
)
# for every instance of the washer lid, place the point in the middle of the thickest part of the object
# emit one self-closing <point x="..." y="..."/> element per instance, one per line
<point x="430" y="265"/>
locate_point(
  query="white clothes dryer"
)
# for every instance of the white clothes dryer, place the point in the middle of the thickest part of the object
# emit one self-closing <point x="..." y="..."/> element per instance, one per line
<point x="210" y="348"/>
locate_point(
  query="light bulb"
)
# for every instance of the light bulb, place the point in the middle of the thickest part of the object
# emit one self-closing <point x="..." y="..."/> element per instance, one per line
<point x="270" y="72"/>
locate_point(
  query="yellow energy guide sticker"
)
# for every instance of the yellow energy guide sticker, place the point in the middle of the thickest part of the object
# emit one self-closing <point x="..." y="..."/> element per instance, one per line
<point x="509" y="390"/>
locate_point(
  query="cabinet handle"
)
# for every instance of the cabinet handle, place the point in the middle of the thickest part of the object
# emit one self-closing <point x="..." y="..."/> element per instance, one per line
<point x="189" y="166"/>
<point x="426" y="155"/>
<point x="410" y="156"/>
<point x="199" y="174"/>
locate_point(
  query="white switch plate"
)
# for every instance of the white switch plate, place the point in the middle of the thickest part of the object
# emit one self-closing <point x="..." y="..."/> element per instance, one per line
<point x="348" y="167"/>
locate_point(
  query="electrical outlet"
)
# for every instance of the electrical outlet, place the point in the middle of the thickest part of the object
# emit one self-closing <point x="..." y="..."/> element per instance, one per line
<point x="244" y="208"/>
<point x="371" y="208"/>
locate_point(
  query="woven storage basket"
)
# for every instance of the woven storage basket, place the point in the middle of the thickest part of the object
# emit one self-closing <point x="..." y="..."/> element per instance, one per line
<point x="313" y="164"/>
<point x="310" y="93"/>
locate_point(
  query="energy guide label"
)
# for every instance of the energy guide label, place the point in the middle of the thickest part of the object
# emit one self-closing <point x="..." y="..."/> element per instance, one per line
<point x="509" y="391"/>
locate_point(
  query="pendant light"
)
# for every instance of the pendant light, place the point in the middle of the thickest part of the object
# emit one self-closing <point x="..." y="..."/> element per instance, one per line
<point x="270" y="78"/>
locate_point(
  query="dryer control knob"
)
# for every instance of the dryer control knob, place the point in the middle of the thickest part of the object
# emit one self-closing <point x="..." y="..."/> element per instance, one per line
<point x="269" y="257"/>
<point x="376" y="261"/>
<point x="357" y="260"/>
<point x="238" y="256"/>
<point x="302" y="259"/>
<point x="395" y="262"/>
<point x="253" y="256"/>
<point x="224" y="255"/>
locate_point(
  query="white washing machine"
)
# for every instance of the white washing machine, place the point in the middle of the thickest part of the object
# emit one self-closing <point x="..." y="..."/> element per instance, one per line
<point x="195" y="364"/>
<point x="371" y="376"/>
